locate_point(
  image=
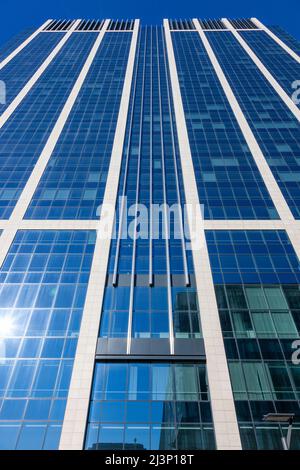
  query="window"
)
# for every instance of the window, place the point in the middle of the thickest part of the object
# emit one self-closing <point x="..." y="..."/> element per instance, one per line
<point x="162" y="386"/>
<point x="292" y="294"/>
<point x="114" y="324"/>
<point x="281" y="382"/>
<point x="151" y="405"/>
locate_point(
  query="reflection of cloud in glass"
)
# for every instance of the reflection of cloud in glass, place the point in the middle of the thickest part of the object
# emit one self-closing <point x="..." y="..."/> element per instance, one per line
<point x="6" y="326"/>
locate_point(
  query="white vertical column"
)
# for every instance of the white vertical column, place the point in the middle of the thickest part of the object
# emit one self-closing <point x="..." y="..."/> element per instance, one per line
<point x="75" y="421"/>
<point x="29" y="85"/>
<point x="33" y="181"/>
<point x="270" y="182"/>
<point x="23" y="44"/>
<point x="265" y="72"/>
<point x="276" y="39"/>
<point x="222" y="403"/>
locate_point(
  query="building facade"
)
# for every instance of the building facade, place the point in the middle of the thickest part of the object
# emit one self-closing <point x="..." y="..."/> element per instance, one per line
<point x="150" y="235"/>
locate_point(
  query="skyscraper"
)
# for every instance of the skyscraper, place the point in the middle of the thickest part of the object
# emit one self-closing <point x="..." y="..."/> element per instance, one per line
<point x="150" y="235"/>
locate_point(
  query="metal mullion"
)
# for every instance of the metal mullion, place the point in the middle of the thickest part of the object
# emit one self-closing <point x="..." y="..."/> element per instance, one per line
<point x="130" y="315"/>
<point x="151" y="167"/>
<point x="170" y="312"/>
<point x="116" y="263"/>
<point x="185" y="265"/>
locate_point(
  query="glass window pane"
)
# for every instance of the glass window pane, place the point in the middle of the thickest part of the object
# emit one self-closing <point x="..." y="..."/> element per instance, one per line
<point x="162" y="382"/>
<point x="141" y="325"/>
<point x="256" y="298"/>
<point x="275" y="297"/>
<point x="22" y="377"/>
<point x="8" y="435"/>
<point x="112" y="411"/>
<point x="189" y="437"/>
<point x="92" y="437"/>
<point x="237" y="381"/>
<point x="281" y="382"/>
<point x="186" y="383"/>
<point x="293" y="296"/>
<point x="99" y="381"/>
<point x="163" y="438"/>
<point x="248" y="438"/>
<point x="269" y="438"/>
<point x="221" y="297"/>
<point x="284" y="324"/>
<point x="138" y="412"/>
<point x="257" y="381"/>
<point x="52" y="437"/>
<point x="162" y="412"/>
<point x="236" y="297"/>
<point x="137" y="438"/>
<point x="31" y="437"/>
<point x="45" y="378"/>
<point x="159" y="325"/>
<point x="116" y="381"/>
<point x="118" y="325"/>
<point x="263" y="324"/>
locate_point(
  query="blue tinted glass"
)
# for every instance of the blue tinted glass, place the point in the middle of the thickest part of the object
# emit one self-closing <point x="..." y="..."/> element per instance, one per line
<point x="274" y="126"/>
<point x="229" y="183"/>
<point x="141" y="394"/>
<point x="25" y="134"/>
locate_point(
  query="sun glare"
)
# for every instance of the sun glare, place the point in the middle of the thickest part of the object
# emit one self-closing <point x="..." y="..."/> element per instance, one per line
<point x="6" y="326"/>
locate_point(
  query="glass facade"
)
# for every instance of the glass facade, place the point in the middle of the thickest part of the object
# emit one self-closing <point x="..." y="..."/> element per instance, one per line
<point x="151" y="370"/>
<point x="259" y="304"/>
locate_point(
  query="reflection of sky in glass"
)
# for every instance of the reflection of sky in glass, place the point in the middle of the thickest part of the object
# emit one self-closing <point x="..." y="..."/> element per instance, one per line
<point x="43" y="283"/>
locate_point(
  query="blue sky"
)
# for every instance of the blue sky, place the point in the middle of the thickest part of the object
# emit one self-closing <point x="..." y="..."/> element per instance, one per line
<point x="20" y="14"/>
